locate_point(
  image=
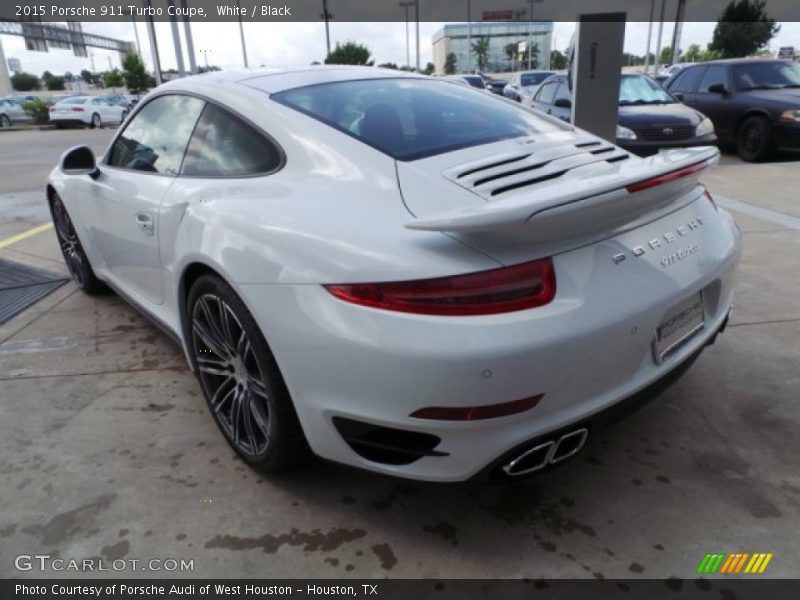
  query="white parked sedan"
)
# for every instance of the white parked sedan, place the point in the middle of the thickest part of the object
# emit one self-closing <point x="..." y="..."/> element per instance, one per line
<point x="94" y="111"/>
<point x="396" y="273"/>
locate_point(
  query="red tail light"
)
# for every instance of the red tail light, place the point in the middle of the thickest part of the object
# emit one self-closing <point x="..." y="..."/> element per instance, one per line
<point x="492" y="292"/>
<point x="665" y="178"/>
<point x="77" y="109"/>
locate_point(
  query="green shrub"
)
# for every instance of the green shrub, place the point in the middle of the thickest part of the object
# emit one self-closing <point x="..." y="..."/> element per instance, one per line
<point x="38" y="110"/>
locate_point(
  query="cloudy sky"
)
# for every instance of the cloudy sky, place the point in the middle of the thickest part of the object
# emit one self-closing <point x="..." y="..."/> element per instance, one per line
<point x="284" y="44"/>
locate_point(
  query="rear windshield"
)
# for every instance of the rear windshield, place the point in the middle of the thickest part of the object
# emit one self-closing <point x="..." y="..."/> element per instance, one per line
<point x="413" y="118"/>
<point x="767" y="75"/>
<point x="74" y="101"/>
<point x="534" y="78"/>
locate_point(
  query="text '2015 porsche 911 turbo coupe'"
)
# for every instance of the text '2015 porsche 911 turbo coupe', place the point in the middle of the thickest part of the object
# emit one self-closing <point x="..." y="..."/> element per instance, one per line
<point x="397" y="273"/>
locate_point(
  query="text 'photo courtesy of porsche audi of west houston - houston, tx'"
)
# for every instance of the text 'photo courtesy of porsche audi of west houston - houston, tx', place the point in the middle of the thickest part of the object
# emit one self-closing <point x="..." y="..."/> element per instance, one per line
<point x="395" y="272"/>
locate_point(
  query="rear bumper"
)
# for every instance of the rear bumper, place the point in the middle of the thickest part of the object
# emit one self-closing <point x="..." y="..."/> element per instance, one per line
<point x="587" y="351"/>
<point x="603" y="419"/>
<point x="648" y="148"/>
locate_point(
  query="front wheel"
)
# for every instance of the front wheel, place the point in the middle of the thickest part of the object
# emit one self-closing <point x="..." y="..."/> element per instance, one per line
<point x="754" y="140"/>
<point x="5" y="122"/>
<point x="71" y="249"/>
<point x="240" y="378"/>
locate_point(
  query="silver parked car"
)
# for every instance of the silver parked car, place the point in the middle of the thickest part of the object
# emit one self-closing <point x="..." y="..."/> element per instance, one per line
<point x="12" y="112"/>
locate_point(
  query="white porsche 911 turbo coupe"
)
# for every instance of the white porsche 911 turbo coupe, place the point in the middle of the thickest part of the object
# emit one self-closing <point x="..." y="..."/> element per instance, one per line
<point x="397" y="273"/>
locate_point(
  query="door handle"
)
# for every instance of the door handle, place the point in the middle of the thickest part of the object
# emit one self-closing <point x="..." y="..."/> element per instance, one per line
<point x="145" y="223"/>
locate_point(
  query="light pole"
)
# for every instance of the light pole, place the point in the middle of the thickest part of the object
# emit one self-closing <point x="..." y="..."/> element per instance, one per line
<point x="657" y="62"/>
<point x="649" y="36"/>
<point x="469" y="36"/>
<point x="205" y="53"/>
<point x="530" y="31"/>
<point x="416" y="2"/>
<point x="241" y="34"/>
<point x="406" y="5"/>
<point x="327" y="16"/>
<point x="136" y="33"/>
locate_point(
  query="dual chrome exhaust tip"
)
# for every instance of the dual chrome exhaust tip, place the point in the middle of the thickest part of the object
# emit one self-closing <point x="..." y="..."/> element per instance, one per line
<point x="547" y="453"/>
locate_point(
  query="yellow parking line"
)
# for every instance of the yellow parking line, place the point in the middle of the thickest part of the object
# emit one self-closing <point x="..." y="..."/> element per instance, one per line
<point x="24" y="235"/>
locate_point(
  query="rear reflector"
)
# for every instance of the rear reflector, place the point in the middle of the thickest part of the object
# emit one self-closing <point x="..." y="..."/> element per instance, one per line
<point x="666" y="177"/>
<point x="476" y="413"/>
<point x="77" y="109"/>
<point x="492" y="292"/>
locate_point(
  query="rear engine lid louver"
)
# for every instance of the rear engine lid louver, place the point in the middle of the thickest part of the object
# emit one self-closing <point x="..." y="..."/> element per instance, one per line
<point x="501" y="175"/>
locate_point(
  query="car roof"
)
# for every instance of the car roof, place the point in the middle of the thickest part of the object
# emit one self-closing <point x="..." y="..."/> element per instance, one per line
<point x="277" y="80"/>
<point x="741" y="61"/>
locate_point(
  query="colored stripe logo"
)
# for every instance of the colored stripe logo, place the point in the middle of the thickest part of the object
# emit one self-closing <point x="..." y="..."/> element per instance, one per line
<point x="735" y="563"/>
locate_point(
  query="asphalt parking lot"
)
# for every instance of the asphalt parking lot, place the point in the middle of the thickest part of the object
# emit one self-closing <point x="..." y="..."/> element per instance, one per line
<point x="107" y="450"/>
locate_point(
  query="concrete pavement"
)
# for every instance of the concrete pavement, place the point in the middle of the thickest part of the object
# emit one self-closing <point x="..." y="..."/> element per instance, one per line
<point x="107" y="450"/>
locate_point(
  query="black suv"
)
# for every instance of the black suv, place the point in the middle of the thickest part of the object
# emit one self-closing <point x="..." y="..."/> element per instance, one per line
<point x="754" y="103"/>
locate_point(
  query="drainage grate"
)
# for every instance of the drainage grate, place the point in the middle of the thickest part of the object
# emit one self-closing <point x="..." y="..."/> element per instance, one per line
<point x="21" y="286"/>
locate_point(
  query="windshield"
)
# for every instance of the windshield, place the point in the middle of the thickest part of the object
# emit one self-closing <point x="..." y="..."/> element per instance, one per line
<point x="74" y="101"/>
<point x="413" y="118"/>
<point x="767" y="76"/>
<point x="475" y="82"/>
<point x="640" y="89"/>
<point x="534" y="78"/>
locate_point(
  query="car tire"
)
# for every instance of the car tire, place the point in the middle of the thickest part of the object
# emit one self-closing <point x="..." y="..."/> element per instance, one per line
<point x="5" y="122"/>
<point x="240" y="378"/>
<point x="96" y="121"/>
<point x="754" y="141"/>
<point x="74" y="256"/>
<point x="123" y="115"/>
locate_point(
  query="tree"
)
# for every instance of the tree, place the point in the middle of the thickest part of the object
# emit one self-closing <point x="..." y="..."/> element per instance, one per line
<point x="113" y="79"/>
<point x="68" y="76"/>
<point x="742" y="29"/>
<point x="87" y="76"/>
<point x="558" y="60"/>
<point x="511" y="54"/>
<point x="55" y="84"/>
<point x="665" y="56"/>
<point x="534" y="56"/>
<point x="136" y="78"/>
<point x="388" y="65"/>
<point x="24" y="82"/>
<point x="481" y="50"/>
<point x="450" y="63"/>
<point x="429" y="69"/>
<point x="211" y="68"/>
<point x="46" y="75"/>
<point x="692" y="54"/>
<point x="709" y="54"/>
<point x="349" y="53"/>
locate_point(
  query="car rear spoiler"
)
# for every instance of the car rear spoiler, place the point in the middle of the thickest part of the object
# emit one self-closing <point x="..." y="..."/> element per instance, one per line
<point x="562" y="208"/>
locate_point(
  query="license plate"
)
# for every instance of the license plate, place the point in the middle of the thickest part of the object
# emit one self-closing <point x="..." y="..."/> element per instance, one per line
<point x="679" y="325"/>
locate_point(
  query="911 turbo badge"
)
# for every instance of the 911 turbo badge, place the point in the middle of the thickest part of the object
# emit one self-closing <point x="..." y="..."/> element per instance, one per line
<point x="667" y="238"/>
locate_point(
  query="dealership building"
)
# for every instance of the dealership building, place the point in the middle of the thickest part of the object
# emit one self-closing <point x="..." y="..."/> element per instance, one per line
<point x="456" y="38"/>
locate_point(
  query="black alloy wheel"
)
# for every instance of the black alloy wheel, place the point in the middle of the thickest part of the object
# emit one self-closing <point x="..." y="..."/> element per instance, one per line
<point x="240" y="379"/>
<point x="74" y="256"/>
<point x="754" y="139"/>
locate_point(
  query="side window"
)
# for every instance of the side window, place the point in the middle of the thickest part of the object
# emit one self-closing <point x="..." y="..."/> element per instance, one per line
<point x="686" y="80"/>
<point x="714" y="74"/>
<point x="156" y="138"/>
<point x="224" y="145"/>
<point x="547" y="94"/>
<point x="563" y="92"/>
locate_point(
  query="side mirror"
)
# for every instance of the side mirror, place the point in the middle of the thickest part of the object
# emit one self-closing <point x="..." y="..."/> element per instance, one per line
<point x="79" y="161"/>
<point x="718" y="88"/>
<point x="679" y="96"/>
<point x="563" y="103"/>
